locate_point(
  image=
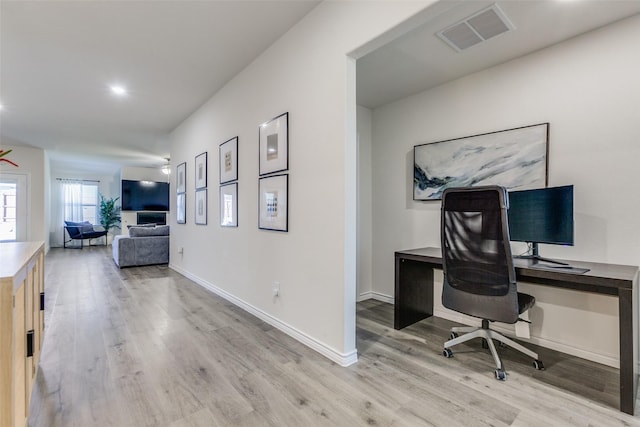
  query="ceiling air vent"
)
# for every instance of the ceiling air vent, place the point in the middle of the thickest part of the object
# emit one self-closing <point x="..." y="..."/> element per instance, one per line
<point x="476" y="28"/>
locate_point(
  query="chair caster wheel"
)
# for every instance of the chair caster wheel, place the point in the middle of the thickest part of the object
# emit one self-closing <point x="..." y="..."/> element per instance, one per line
<point x="538" y="365"/>
<point x="447" y="353"/>
<point x="501" y="375"/>
<point x="453" y="335"/>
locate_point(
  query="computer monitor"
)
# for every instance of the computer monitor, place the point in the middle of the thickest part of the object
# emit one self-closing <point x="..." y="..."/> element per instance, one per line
<point x="543" y="215"/>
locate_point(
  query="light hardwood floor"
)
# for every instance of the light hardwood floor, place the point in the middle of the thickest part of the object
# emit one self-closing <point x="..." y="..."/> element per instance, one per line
<point x="147" y="347"/>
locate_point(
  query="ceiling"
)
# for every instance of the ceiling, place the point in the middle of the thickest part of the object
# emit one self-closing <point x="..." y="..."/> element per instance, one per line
<point x="58" y="59"/>
<point x="419" y="60"/>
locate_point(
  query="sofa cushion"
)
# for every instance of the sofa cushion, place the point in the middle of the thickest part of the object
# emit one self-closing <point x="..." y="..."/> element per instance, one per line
<point x="141" y="225"/>
<point x="162" y="230"/>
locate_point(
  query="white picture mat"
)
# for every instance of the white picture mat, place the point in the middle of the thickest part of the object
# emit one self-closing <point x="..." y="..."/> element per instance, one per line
<point x="274" y="145"/>
<point x="201" y="207"/>
<point x="273" y="208"/>
<point x="181" y="178"/>
<point x="201" y="171"/>
<point x="229" y="205"/>
<point x="229" y="160"/>
<point x="181" y="211"/>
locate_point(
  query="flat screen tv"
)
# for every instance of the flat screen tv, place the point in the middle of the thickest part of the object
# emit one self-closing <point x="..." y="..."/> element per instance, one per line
<point x="543" y="215"/>
<point x="145" y="196"/>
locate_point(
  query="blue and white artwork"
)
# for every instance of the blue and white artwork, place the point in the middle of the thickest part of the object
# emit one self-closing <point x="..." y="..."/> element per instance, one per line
<point x="513" y="158"/>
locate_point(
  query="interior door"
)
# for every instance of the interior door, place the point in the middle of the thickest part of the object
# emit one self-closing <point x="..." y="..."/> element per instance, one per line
<point x="13" y="207"/>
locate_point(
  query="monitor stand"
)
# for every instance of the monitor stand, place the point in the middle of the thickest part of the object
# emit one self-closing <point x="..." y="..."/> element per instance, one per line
<point x="535" y="256"/>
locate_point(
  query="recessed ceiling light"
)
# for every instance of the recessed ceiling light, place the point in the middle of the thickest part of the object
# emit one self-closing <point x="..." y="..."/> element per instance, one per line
<point x="118" y="90"/>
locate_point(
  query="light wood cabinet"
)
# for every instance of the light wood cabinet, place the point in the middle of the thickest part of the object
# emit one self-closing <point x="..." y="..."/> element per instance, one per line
<point x="21" y="327"/>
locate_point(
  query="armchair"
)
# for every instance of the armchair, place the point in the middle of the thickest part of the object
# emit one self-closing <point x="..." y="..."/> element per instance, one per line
<point x="81" y="231"/>
<point x="479" y="276"/>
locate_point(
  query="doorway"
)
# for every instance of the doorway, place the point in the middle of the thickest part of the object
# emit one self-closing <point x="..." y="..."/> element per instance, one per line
<point x="13" y="207"/>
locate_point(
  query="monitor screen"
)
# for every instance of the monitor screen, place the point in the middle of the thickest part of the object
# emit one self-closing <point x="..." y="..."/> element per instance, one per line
<point x="542" y="215"/>
<point x="145" y="196"/>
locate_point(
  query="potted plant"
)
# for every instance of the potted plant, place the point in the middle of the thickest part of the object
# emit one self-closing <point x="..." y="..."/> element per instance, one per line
<point x="109" y="213"/>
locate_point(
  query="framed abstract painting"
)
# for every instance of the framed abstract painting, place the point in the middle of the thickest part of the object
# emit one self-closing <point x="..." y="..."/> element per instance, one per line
<point x="516" y="159"/>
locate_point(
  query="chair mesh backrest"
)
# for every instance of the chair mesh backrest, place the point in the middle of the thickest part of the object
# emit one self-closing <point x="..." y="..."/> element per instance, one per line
<point x="476" y="252"/>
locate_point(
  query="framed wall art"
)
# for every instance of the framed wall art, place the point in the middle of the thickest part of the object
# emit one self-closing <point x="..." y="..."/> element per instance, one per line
<point x="181" y="208"/>
<point x="201" y="171"/>
<point x="229" y="161"/>
<point x="201" y="207"/>
<point x="514" y="158"/>
<point x="274" y="145"/>
<point x="181" y="178"/>
<point x="273" y="205"/>
<point x="229" y="205"/>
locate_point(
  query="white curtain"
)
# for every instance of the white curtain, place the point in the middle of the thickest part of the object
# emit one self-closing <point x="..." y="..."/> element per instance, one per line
<point x="66" y="205"/>
<point x="72" y="197"/>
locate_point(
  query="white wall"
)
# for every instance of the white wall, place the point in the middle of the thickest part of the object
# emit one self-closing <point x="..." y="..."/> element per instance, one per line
<point x="31" y="162"/>
<point x="308" y="74"/>
<point x="364" y="279"/>
<point x="587" y="89"/>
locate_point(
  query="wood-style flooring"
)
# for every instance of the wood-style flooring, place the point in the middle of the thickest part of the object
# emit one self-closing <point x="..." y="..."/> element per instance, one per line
<point x="145" y="346"/>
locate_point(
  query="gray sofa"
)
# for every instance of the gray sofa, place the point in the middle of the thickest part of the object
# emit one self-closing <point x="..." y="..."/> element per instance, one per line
<point x="143" y="246"/>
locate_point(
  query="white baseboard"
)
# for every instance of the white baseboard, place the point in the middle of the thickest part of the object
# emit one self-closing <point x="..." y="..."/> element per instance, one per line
<point x="342" y="359"/>
<point x="347" y="359"/>
<point x="376" y="296"/>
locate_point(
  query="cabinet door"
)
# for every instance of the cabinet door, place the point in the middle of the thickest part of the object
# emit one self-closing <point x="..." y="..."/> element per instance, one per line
<point x="20" y="368"/>
<point x="41" y="292"/>
<point x="7" y="338"/>
<point x="29" y="326"/>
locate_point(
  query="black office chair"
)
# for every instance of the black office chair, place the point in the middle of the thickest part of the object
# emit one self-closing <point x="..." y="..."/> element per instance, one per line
<point x="479" y="276"/>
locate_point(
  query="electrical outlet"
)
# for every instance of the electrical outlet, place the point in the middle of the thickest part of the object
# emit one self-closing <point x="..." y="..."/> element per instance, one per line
<point x="276" y="289"/>
<point x="181" y="251"/>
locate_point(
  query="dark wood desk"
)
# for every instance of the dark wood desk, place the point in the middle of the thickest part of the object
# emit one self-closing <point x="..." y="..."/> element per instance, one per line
<point x="414" y="299"/>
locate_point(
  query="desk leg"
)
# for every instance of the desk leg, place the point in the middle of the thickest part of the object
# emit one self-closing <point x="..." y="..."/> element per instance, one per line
<point x="628" y="351"/>
<point x="414" y="292"/>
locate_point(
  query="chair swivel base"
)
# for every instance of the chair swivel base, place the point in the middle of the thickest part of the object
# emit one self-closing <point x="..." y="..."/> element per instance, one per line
<point x="471" y="332"/>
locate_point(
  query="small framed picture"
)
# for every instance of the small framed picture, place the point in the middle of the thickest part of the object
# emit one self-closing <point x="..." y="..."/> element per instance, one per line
<point x="181" y="178"/>
<point x="181" y="208"/>
<point x="201" y="171"/>
<point x="229" y="205"/>
<point x="274" y="145"/>
<point x="229" y="161"/>
<point x="273" y="204"/>
<point x="201" y="207"/>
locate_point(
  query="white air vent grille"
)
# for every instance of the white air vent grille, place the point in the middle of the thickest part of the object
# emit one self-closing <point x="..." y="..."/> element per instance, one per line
<point x="477" y="28"/>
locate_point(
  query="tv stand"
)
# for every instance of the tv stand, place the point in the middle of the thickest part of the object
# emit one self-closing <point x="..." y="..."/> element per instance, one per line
<point x="535" y="256"/>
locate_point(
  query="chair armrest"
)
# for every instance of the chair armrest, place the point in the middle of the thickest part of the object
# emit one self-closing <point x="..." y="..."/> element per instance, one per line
<point x="75" y="231"/>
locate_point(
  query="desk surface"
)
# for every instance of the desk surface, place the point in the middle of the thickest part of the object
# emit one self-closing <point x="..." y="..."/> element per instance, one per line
<point x="605" y="278"/>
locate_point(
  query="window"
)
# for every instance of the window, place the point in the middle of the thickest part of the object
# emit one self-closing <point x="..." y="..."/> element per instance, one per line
<point x="80" y="201"/>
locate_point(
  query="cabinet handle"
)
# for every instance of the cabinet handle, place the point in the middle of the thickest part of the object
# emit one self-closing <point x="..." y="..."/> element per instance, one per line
<point x="41" y="301"/>
<point x="30" y="343"/>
